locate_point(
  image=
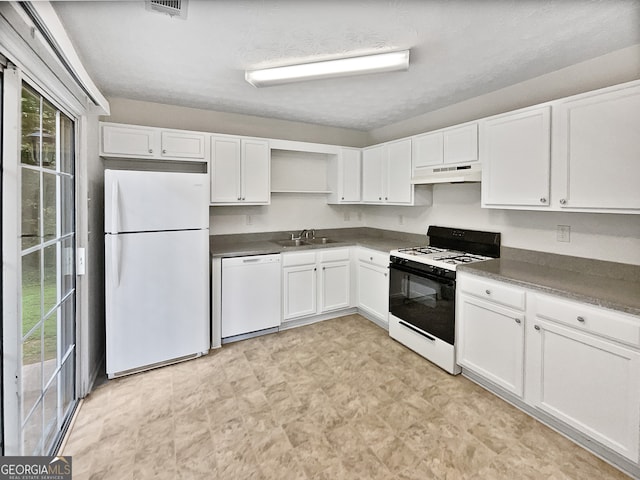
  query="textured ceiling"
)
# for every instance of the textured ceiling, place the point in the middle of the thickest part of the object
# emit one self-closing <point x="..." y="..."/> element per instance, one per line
<point x="459" y="49"/>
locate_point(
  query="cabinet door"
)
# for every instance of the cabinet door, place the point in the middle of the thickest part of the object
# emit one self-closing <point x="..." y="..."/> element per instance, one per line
<point x="256" y="177"/>
<point x="399" y="188"/>
<point x="299" y="284"/>
<point x="515" y="155"/>
<point x="349" y="175"/>
<point x="372" y="174"/>
<point x="588" y="383"/>
<point x="426" y="150"/>
<point x="491" y="342"/>
<point x="373" y="290"/>
<point x="225" y="170"/>
<point x="130" y="141"/>
<point x="183" y="145"/>
<point x="599" y="150"/>
<point x="335" y="284"/>
<point x="461" y="144"/>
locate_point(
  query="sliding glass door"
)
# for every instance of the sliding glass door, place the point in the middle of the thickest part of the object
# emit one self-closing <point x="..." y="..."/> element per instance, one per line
<point x="47" y="249"/>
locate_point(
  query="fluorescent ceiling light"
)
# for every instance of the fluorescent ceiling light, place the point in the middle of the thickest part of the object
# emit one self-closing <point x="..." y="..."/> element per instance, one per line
<point x="383" y="62"/>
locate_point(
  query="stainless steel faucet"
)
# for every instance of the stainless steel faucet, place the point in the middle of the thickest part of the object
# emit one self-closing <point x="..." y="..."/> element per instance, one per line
<point x="304" y="233"/>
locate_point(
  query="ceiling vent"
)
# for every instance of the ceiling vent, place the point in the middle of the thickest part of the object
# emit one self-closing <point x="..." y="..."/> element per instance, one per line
<point x="174" y="8"/>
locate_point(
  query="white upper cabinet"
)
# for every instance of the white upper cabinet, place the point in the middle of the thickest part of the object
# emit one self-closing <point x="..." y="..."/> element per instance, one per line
<point x="597" y="150"/>
<point x="448" y="146"/>
<point x="183" y="144"/>
<point x="580" y="154"/>
<point x="460" y="144"/>
<point x="373" y="163"/>
<point x="132" y="141"/>
<point x="344" y="176"/>
<point x="225" y="170"/>
<point x="129" y="140"/>
<point x="386" y="173"/>
<point x="240" y="171"/>
<point x="255" y="171"/>
<point x="398" y="172"/>
<point x="515" y="151"/>
<point x="428" y="150"/>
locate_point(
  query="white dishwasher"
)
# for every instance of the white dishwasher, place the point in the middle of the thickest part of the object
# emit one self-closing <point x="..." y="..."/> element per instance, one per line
<point x="251" y="294"/>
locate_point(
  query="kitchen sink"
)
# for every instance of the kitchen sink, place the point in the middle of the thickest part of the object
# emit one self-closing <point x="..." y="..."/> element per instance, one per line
<point x="305" y="241"/>
<point x="319" y="241"/>
<point x="292" y="243"/>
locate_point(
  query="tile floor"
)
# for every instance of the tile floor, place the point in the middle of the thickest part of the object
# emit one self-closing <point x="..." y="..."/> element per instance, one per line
<point x="334" y="400"/>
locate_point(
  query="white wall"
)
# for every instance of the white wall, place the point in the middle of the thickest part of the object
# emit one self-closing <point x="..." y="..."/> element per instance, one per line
<point x="288" y="212"/>
<point x="601" y="236"/>
<point x="95" y="252"/>
<point x="611" y="69"/>
<point x="170" y="116"/>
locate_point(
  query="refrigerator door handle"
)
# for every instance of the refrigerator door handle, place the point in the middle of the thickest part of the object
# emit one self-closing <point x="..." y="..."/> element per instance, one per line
<point x="115" y="214"/>
<point x="115" y="260"/>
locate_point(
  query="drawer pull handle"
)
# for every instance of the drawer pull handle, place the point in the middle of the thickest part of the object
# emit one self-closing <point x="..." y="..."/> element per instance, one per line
<point x="488" y="292"/>
<point x="518" y="321"/>
<point x="537" y="327"/>
<point x="543" y="200"/>
<point x="580" y="319"/>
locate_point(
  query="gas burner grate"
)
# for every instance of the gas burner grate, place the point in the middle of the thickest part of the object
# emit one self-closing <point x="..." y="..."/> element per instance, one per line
<point x="421" y="250"/>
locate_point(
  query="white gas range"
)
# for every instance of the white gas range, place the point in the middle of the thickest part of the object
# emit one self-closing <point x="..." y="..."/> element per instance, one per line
<point x="422" y="290"/>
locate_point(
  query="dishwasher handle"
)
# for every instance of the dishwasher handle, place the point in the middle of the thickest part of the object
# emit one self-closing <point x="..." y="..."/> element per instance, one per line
<point x="250" y="260"/>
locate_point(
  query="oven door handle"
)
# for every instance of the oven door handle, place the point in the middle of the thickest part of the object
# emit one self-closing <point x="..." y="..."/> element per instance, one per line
<point x="421" y="273"/>
<point x="419" y="332"/>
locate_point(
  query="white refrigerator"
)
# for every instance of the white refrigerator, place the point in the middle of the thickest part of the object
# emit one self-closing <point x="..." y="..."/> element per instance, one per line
<point x="156" y="269"/>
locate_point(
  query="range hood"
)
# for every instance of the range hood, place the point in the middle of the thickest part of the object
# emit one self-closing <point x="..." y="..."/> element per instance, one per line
<point x="453" y="174"/>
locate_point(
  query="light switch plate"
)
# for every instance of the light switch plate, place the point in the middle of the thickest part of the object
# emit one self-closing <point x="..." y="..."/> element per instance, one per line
<point x="563" y="233"/>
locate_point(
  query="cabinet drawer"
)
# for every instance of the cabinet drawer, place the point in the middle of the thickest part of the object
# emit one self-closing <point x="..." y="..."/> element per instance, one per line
<point x="495" y="291"/>
<point x="618" y="326"/>
<point x="372" y="256"/>
<point x="302" y="258"/>
<point x="334" y="255"/>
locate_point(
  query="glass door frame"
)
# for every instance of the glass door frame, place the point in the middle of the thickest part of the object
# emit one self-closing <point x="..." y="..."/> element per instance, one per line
<point x="12" y="257"/>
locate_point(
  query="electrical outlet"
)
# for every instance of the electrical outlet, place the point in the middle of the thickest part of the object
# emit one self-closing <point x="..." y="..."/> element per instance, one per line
<point x="563" y="233"/>
<point x="249" y="220"/>
<point x="347" y="216"/>
<point x="400" y="219"/>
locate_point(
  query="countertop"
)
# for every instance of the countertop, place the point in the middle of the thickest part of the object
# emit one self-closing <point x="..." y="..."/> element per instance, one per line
<point x="605" y="284"/>
<point x="265" y="243"/>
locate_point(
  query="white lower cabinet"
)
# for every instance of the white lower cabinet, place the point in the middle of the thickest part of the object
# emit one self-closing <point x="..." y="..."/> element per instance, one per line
<point x="490" y="341"/>
<point x="299" y="277"/>
<point x="588" y="382"/>
<point x="316" y="282"/>
<point x="335" y="285"/>
<point x="373" y="283"/>
<point x="575" y="363"/>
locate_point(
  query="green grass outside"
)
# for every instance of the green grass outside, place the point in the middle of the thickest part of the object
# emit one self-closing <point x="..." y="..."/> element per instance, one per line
<point x="31" y="348"/>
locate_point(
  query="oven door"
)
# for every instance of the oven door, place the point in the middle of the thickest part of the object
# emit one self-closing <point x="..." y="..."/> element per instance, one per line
<point x="423" y="301"/>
